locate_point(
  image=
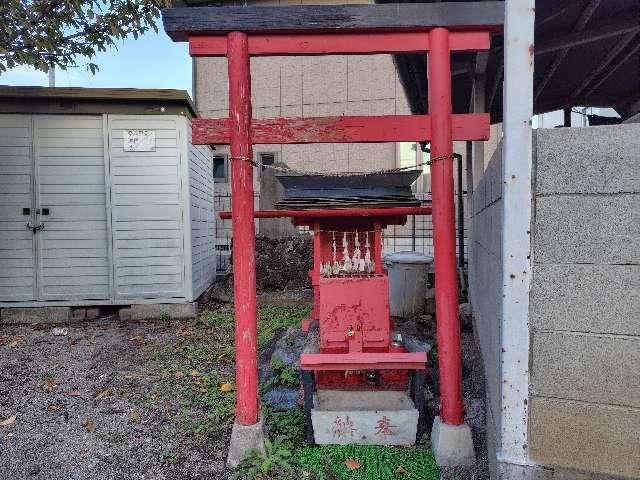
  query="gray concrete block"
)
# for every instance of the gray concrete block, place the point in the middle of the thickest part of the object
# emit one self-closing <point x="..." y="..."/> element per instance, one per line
<point x="588" y="160"/>
<point x="364" y="418"/>
<point x="602" y="229"/>
<point x="586" y="298"/>
<point x="512" y="471"/>
<point x="564" y="474"/>
<point x="156" y="310"/>
<point x="22" y="315"/>
<point x="245" y="439"/>
<point x="592" y="368"/>
<point x="452" y="445"/>
<point x="93" y="313"/>
<point x="78" y="314"/>
<point x="587" y="437"/>
<point x="125" y="314"/>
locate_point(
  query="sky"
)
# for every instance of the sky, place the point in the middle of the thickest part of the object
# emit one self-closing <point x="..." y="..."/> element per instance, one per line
<point x="151" y="61"/>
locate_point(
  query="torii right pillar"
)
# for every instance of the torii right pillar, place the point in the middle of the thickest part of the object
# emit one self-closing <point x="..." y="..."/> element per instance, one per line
<point x="451" y="439"/>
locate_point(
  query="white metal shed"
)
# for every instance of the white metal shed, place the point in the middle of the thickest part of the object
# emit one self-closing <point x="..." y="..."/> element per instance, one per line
<point x="103" y="199"/>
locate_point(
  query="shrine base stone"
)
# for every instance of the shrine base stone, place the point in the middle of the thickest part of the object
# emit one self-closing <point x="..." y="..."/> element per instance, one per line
<point x="244" y="439"/>
<point x="452" y="445"/>
<point x="364" y="418"/>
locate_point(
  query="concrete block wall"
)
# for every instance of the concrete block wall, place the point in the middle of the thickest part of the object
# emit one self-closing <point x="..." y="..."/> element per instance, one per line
<point x="585" y="301"/>
<point x="485" y="287"/>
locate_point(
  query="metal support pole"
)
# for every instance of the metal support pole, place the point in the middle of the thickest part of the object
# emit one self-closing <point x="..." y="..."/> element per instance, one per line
<point x="566" y="114"/>
<point x="244" y="235"/>
<point x="444" y="240"/>
<point x="460" y="216"/>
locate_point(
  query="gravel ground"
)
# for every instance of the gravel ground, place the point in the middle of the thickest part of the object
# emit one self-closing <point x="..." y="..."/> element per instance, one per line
<point x="124" y="400"/>
<point x="103" y="403"/>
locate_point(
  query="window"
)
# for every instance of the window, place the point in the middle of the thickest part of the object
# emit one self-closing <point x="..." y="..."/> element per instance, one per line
<point x="220" y="168"/>
<point x="267" y="159"/>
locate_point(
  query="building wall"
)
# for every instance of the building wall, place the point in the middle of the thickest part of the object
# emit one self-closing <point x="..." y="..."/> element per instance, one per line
<point x="584" y="357"/>
<point x="312" y="86"/>
<point x="485" y="286"/>
<point x="202" y="213"/>
<point x="585" y="300"/>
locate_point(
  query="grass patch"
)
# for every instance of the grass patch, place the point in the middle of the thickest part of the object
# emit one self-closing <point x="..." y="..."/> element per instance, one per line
<point x="194" y="368"/>
<point x="168" y="458"/>
<point x="289" y="424"/>
<point x="272" y="319"/>
<point x="376" y="462"/>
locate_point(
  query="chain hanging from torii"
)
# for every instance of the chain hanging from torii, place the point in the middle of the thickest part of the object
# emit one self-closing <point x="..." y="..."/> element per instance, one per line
<point x="286" y="169"/>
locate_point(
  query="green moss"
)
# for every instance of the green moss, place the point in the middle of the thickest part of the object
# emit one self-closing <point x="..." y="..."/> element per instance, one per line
<point x="377" y="462"/>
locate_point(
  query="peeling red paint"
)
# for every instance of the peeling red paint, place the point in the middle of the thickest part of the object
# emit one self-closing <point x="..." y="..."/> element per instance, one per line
<point x="342" y="129"/>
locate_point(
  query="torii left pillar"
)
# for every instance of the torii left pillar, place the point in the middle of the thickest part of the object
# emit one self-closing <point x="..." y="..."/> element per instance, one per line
<point x="247" y="433"/>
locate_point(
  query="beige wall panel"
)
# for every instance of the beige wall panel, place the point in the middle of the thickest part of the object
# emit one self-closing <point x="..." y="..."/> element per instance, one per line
<point x="291" y="80"/>
<point x="265" y="82"/>
<point x="212" y="92"/>
<point x="324" y="109"/>
<point x="322" y="2"/>
<point x="366" y="157"/>
<point x="291" y="110"/>
<point x="324" y="79"/>
<point x="266" y="112"/>
<point x="371" y="77"/>
<point x="214" y="113"/>
<point x="582" y="436"/>
<point x="372" y="107"/>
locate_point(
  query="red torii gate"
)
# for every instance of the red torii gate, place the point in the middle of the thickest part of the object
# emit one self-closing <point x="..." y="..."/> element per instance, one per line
<point x="440" y="127"/>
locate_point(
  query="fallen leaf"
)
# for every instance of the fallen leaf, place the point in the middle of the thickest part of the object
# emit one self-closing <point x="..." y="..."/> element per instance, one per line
<point x="89" y="425"/>
<point x="49" y="384"/>
<point x="194" y="373"/>
<point x="102" y="394"/>
<point x="226" y="387"/>
<point x="184" y="332"/>
<point x="135" y="416"/>
<point x="75" y="393"/>
<point x="131" y="376"/>
<point x="55" y="366"/>
<point x="8" y="421"/>
<point x="137" y="338"/>
<point x="352" y="464"/>
<point x="13" y="344"/>
<point x="400" y="470"/>
<point x="179" y="374"/>
<point x="53" y="408"/>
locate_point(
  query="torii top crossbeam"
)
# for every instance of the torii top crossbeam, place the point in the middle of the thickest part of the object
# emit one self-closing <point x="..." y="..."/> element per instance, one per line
<point x="434" y="28"/>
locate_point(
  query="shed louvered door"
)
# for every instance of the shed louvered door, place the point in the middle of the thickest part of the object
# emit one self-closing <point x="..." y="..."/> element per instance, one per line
<point x="70" y="195"/>
<point x="17" y="256"/>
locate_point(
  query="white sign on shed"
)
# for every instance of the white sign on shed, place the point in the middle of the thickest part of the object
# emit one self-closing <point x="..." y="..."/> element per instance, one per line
<point x="139" y="141"/>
